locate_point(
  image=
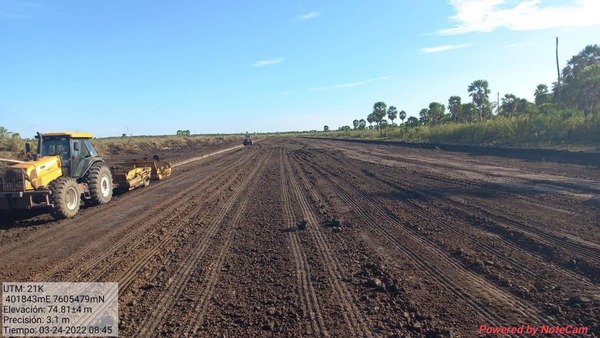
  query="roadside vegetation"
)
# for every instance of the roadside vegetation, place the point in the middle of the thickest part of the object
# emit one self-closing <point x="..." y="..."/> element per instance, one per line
<point x="10" y="143"/>
<point x="566" y="115"/>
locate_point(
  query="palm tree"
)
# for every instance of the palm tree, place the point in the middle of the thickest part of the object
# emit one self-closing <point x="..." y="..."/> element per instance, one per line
<point x="392" y="113"/>
<point x="581" y="79"/>
<point x="379" y="111"/>
<point x="436" y="112"/>
<point x="3" y="132"/>
<point x="509" y="104"/>
<point x="402" y="115"/>
<point x="590" y="55"/>
<point x="468" y="112"/>
<point x="479" y="91"/>
<point x="454" y="107"/>
<point x="412" y="121"/>
<point x="541" y="94"/>
<point x="424" y="117"/>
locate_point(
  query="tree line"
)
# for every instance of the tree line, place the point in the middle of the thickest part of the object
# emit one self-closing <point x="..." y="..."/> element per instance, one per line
<point x="10" y="141"/>
<point x="578" y="88"/>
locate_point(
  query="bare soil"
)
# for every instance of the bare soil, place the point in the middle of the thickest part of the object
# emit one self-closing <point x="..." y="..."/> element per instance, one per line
<point x="296" y="237"/>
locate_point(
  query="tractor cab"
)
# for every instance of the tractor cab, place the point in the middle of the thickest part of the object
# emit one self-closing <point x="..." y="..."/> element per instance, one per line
<point x="74" y="148"/>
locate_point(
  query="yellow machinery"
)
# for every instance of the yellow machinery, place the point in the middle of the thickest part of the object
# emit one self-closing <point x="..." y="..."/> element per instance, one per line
<point x="137" y="172"/>
<point x="67" y="170"/>
<point x="36" y="174"/>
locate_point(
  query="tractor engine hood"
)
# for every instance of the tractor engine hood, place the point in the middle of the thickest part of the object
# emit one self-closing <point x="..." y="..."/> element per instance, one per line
<point x="31" y="175"/>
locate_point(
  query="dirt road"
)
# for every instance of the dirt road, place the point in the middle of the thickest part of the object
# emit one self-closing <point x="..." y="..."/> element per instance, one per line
<point x="298" y="237"/>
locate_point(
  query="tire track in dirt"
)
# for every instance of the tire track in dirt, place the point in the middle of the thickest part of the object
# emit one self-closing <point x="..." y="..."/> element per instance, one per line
<point x="534" y="228"/>
<point x="129" y="275"/>
<point x="409" y="195"/>
<point x="164" y="304"/>
<point x="475" y="281"/>
<point x="132" y="232"/>
<point x="499" y="224"/>
<point x="222" y="176"/>
<point x="447" y="161"/>
<point x="546" y="236"/>
<point x="532" y="231"/>
<point x="310" y="303"/>
<point x="211" y="275"/>
<point x="539" y="231"/>
<point x="356" y="322"/>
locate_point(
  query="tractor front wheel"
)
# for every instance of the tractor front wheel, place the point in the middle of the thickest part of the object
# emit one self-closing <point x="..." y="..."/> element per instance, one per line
<point x="65" y="197"/>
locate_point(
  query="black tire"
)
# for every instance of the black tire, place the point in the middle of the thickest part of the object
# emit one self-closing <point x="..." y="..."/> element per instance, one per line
<point x="99" y="181"/>
<point x="65" y="197"/>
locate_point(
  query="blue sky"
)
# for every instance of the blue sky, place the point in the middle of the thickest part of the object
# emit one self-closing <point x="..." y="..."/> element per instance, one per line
<point x="153" y="67"/>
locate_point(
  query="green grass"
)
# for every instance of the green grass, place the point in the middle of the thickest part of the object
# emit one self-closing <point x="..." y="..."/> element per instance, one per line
<point x="567" y="129"/>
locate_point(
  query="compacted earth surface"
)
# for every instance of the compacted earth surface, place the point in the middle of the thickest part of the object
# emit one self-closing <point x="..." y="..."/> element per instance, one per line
<point x="295" y="237"/>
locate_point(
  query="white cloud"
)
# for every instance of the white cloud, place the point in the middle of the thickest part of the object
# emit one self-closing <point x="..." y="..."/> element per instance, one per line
<point x="307" y="16"/>
<point x="442" y="48"/>
<point x="489" y="15"/>
<point x="263" y="63"/>
<point x="350" y="84"/>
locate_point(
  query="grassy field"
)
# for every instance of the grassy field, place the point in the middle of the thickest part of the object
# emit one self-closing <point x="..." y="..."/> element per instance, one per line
<point x="567" y="131"/>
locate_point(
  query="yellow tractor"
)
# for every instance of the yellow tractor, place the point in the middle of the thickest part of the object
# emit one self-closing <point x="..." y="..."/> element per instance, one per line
<point x="65" y="171"/>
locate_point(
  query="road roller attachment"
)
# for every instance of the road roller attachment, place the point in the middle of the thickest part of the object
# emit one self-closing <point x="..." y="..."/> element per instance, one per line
<point x="133" y="173"/>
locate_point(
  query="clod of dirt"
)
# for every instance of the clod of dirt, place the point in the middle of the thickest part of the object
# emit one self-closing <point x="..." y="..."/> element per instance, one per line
<point x="392" y="287"/>
<point x="268" y="326"/>
<point x="416" y="326"/>
<point x="302" y="224"/>
<point x="376" y="283"/>
<point x="334" y="223"/>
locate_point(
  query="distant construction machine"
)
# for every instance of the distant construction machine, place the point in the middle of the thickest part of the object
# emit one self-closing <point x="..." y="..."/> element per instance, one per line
<point x="67" y="170"/>
<point x="248" y="141"/>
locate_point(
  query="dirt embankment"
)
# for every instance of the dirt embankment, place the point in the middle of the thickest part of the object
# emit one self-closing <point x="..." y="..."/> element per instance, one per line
<point x="171" y="148"/>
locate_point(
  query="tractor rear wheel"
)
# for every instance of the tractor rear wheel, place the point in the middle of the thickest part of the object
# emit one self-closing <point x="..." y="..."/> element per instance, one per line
<point x="65" y="197"/>
<point x="99" y="181"/>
